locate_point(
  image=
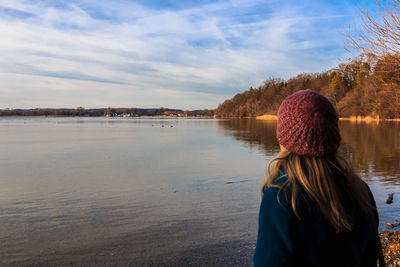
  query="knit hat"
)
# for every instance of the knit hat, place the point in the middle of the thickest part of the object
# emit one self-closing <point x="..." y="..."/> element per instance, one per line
<point x="308" y="124"/>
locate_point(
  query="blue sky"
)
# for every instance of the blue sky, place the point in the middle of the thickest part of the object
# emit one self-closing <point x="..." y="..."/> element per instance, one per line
<point x="177" y="54"/>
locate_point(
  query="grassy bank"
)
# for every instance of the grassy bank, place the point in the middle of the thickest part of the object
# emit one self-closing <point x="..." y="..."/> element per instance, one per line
<point x="267" y="117"/>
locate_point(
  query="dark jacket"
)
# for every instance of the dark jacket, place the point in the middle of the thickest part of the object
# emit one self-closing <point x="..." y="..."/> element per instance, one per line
<point x="285" y="240"/>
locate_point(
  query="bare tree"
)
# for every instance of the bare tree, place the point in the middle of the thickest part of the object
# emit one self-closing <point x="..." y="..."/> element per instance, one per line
<point x="80" y="111"/>
<point x="378" y="35"/>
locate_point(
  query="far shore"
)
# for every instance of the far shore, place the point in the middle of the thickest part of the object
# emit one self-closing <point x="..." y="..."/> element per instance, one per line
<point x="74" y="116"/>
<point x="268" y="117"/>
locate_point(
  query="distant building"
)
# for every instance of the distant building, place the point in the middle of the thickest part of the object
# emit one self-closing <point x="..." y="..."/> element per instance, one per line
<point x="169" y="113"/>
<point x="176" y="113"/>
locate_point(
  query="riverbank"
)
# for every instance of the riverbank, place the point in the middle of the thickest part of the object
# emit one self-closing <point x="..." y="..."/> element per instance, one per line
<point x="268" y="117"/>
<point x="391" y="246"/>
<point x="367" y="119"/>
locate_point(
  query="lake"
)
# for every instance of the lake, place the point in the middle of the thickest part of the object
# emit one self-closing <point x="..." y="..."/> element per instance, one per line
<point x="154" y="191"/>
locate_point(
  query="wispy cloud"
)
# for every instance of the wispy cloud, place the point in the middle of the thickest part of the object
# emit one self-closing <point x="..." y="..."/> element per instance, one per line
<point x="179" y="54"/>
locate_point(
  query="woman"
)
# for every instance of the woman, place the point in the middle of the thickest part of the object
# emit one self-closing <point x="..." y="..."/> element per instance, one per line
<point x="315" y="210"/>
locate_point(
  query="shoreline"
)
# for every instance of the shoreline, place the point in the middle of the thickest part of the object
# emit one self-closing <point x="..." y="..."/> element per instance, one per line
<point x="390" y="240"/>
<point x="268" y="117"/>
<point x="116" y="117"/>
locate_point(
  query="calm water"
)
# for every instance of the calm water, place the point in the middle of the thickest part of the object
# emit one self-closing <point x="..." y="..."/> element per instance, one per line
<point x="153" y="191"/>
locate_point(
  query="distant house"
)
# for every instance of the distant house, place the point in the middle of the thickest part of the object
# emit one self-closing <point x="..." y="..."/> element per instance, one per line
<point x="112" y="114"/>
<point x="170" y="113"/>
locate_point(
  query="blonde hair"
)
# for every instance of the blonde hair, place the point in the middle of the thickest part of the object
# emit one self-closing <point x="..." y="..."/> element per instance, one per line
<point x="325" y="180"/>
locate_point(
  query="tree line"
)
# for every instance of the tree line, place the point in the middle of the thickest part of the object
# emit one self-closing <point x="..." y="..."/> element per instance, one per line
<point x="359" y="87"/>
<point x="62" y="112"/>
<point x="82" y="112"/>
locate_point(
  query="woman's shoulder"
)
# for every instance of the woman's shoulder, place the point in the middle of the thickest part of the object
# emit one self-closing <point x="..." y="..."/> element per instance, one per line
<point x="274" y="196"/>
<point x="277" y="183"/>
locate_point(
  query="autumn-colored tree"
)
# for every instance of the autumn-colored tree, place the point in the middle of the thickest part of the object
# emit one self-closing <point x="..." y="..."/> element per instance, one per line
<point x="355" y="88"/>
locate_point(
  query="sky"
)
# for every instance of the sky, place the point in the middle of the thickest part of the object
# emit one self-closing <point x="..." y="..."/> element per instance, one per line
<point x="153" y="53"/>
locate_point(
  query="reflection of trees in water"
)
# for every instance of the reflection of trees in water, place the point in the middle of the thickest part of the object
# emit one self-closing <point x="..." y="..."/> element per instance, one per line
<point x="253" y="132"/>
<point x="373" y="147"/>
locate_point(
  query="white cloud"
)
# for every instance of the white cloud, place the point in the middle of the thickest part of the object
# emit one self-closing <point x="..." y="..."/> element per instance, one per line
<point x="125" y="54"/>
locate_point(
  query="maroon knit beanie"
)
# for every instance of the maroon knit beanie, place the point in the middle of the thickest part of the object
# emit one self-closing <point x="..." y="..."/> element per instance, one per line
<point x="308" y="124"/>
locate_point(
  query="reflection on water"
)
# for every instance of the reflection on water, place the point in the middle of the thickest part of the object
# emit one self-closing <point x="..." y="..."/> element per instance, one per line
<point x="256" y="133"/>
<point x="373" y="148"/>
<point x="156" y="191"/>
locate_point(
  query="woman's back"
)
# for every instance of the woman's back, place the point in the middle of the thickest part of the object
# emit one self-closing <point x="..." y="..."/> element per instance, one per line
<point x="315" y="210"/>
<point x="286" y="240"/>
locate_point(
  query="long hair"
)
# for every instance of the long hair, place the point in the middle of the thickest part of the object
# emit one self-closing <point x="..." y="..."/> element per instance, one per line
<point x="325" y="180"/>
